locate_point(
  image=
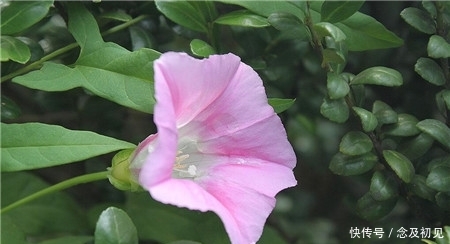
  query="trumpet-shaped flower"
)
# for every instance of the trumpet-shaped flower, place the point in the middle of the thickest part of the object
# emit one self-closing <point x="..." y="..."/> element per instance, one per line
<point x="220" y="146"/>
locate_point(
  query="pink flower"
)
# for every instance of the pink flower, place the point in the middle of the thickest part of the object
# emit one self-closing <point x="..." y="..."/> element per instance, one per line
<point x="220" y="146"/>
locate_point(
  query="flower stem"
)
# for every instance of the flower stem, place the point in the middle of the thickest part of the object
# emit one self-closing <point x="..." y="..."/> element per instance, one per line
<point x="82" y="179"/>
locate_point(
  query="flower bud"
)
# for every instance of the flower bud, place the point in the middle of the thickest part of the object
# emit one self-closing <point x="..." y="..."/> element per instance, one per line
<point x="120" y="174"/>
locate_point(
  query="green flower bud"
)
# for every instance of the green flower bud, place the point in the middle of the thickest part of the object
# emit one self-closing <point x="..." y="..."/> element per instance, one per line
<point x="120" y="175"/>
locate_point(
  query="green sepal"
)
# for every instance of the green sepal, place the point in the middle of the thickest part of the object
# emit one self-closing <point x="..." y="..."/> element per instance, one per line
<point x="120" y="175"/>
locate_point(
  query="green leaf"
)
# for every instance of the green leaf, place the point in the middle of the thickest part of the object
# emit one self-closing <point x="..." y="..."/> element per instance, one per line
<point x="70" y="240"/>
<point x="115" y="227"/>
<point x="35" y="145"/>
<point x="405" y="126"/>
<point x="439" y="178"/>
<point x="266" y="8"/>
<point x="11" y="233"/>
<point x="280" y="104"/>
<point x="206" y="8"/>
<point x="368" y="120"/>
<point x="438" y="47"/>
<point x="355" y="143"/>
<point x="14" y="49"/>
<point x="242" y="18"/>
<point x="383" y="186"/>
<point x="384" y="113"/>
<point x="419" y="19"/>
<point x="419" y="187"/>
<point x="327" y="29"/>
<point x="443" y="200"/>
<point x="332" y="56"/>
<point x="436" y="129"/>
<point x="140" y="38"/>
<point x="337" y="86"/>
<point x="119" y="15"/>
<point x="417" y="146"/>
<point x="9" y="109"/>
<point x="19" y="15"/>
<point x="443" y="100"/>
<point x="184" y="14"/>
<point x="442" y="161"/>
<point x="335" y="110"/>
<point x="401" y="165"/>
<point x="378" y="76"/>
<point x="430" y="71"/>
<point x="336" y="11"/>
<point x="345" y="165"/>
<point x="370" y="209"/>
<point x="201" y="48"/>
<point x="289" y="24"/>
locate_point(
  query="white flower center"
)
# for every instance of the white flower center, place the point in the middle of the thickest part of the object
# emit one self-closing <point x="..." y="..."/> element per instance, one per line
<point x="184" y="166"/>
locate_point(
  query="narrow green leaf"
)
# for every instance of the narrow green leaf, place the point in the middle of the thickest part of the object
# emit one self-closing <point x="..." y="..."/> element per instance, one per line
<point x="346" y="165"/>
<point x="34" y="145"/>
<point x="201" y="48"/>
<point x="405" y="126"/>
<point x="335" y="110"/>
<point x="370" y="209"/>
<point x="436" y="129"/>
<point x="19" y="15"/>
<point x="184" y="14"/>
<point x="439" y="178"/>
<point x="355" y="143"/>
<point x="383" y="186"/>
<point x="327" y="29"/>
<point x="419" y="19"/>
<point x="115" y="227"/>
<point x="289" y="24"/>
<point x="419" y="187"/>
<point x="14" y="49"/>
<point x="417" y="146"/>
<point x="368" y="120"/>
<point x="336" y="11"/>
<point x="337" y="86"/>
<point x="378" y="76"/>
<point x="242" y="18"/>
<point x="401" y="165"/>
<point x="9" y="109"/>
<point x="438" y="47"/>
<point x="430" y="71"/>
<point x="281" y="104"/>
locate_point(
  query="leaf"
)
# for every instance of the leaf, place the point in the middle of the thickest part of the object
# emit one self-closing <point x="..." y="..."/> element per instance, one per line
<point x="289" y="24"/>
<point x="443" y="201"/>
<point x="436" y="129"/>
<point x="14" y="49"/>
<point x="337" y="86"/>
<point x="417" y="146"/>
<point x="9" y="109"/>
<point x="384" y="113"/>
<point x="443" y="100"/>
<point x="140" y="38"/>
<point x="405" y="126"/>
<point x="378" y="76"/>
<point x="242" y="18"/>
<point x="355" y="143"/>
<point x="280" y="104"/>
<point x="370" y="209"/>
<point x="266" y="8"/>
<point x="35" y="145"/>
<point x="119" y="15"/>
<point x="332" y="56"/>
<point x="419" y="187"/>
<point x="419" y="19"/>
<point x="336" y="11"/>
<point x="201" y="48"/>
<point x="383" y="186"/>
<point x="430" y="71"/>
<point x="19" y="15"/>
<point x="184" y="14"/>
<point x="368" y="120"/>
<point x="335" y="110"/>
<point x="115" y="227"/>
<point x="11" y="233"/>
<point x="401" y="165"/>
<point x="438" y="47"/>
<point x="346" y="165"/>
<point x="327" y="29"/>
<point x="439" y="178"/>
<point x="69" y="240"/>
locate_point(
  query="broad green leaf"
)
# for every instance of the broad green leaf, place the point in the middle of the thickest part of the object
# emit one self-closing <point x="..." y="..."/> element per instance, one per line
<point x="384" y="113"/>
<point x="355" y="143"/>
<point x="419" y="19"/>
<point x="35" y="145"/>
<point x="280" y="104"/>
<point x="70" y="240"/>
<point x="443" y="201"/>
<point x="115" y="227"/>
<point x="327" y="29"/>
<point x="242" y="18"/>
<point x="201" y="48"/>
<point x="11" y="233"/>
<point x="370" y="209"/>
<point x="9" y="109"/>
<point x="417" y="146"/>
<point x="266" y="8"/>
<point x="383" y="186"/>
<point x="184" y="14"/>
<point x="336" y="11"/>
<point x="419" y="187"/>
<point x="206" y="8"/>
<point x="13" y="49"/>
<point x="337" y="86"/>
<point x="405" y="126"/>
<point x="346" y="165"/>
<point x="437" y="162"/>
<point x="20" y="15"/>
<point x="335" y="110"/>
<point x="430" y="71"/>
<point x="378" y="76"/>
<point x="439" y="178"/>
<point x="368" y="120"/>
<point x="438" y="47"/>
<point x="289" y="24"/>
<point x="401" y="165"/>
<point x="436" y="129"/>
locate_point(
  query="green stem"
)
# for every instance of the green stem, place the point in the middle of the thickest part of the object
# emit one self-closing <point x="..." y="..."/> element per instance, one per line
<point x="82" y="179"/>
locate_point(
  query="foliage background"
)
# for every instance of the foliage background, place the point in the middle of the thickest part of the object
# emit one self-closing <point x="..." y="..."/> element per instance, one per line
<point x="321" y="209"/>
